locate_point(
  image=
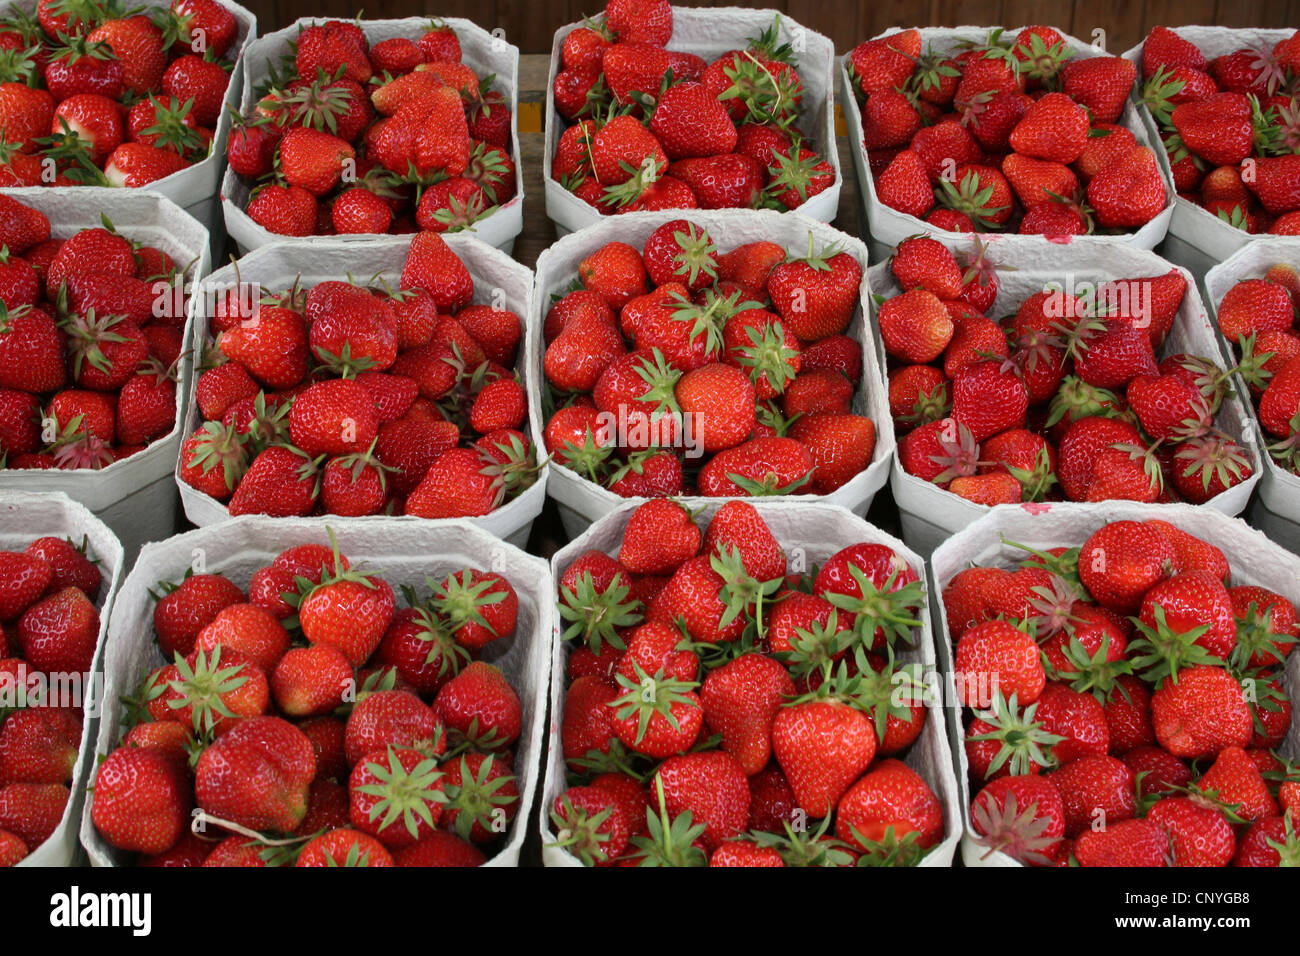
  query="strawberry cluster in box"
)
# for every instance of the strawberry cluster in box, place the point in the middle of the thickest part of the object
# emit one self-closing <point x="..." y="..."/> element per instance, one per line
<point x="355" y="399"/>
<point x="50" y="595"/>
<point x="317" y="718"/>
<point x="91" y="338"/>
<point x="96" y="93"/>
<point x="654" y="125"/>
<point x="1018" y="132"/>
<point x="681" y="368"/>
<point x="1230" y="125"/>
<point x="1258" y="317"/>
<point x="727" y="703"/>
<point x="352" y="136"/>
<point x="1127" y="699"/>
<point x="1085" y="391"/>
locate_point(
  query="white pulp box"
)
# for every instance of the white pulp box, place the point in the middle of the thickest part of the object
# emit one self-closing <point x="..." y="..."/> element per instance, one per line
<point x="1199" y="239"/>
<point x="581" y="501"/>
<point x="929" y="513"/>
<point x="1253" y="558"/>
<point x="194" y="188"/>
<point x="405" y="551"/>
<point x="134" y="496"/>
<point x="816" y="531"/>
<point x="24" y="517"/>
<point x="278" y="265"/>
<point x="709" y="33"/>
<point x="1276" y="509"/>
<point x="889" y="227"/>
<point x="483" y="51"/>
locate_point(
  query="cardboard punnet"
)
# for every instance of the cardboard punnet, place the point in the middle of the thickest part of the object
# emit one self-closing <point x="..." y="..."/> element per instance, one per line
<point x="709" y="33"/>
<point x="24" y="517"/>
<point x="135" y="496"/>
<point x="1276" y="509"/>
<point x="194" y="188"/>
<point x="929" y="513"/>
<point x="809" y="533"/>
<point x="405" y="551"/>
<point x="486" y="52"/>
<point x="279" y="265"/>
<point x="1252" y="557"/>
<point x="581" y="501"/>
<point x="1197" y="239"/>
<point x="889" y="226"/>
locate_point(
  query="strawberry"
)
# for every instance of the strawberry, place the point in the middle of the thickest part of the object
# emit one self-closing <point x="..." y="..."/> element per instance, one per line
<point x="841" y="446"/>
<point x="1093" y="788"/>
<point x="479" y="704"/>
<point x="728" y="181"/>
<point x="287" y="210"/>
<point x="688" y="120"/>
<point x="822" y="747"/>
<point x="1124" y="843"/>
<point x="392" y="718"/>
<point x="39" y="746"/>
<point x="711" y="787"/>
<point x="344" y="847"/>
<point x="1101" y="84"/>
<point x="71" y="565"/>
<point x="741" y="700"/>
<point x="1054" y="128"/>
<point x="200" y="79"/>
<point x="59" y="632"/>
<point x="142" y="801"/>
<point x="483" y="797"/>
<point x="589" y="822"/>
<point x="349" y="611"/>
<point x="1201" y="714"/>
<point x="31" y="811"/>
<point x="311" y="680"/>
<point x="280" y="481"/>
<point x="825" y="284"/>
<point x="1199" y="834"/>
<point x="999" y="649"/>
<point x="431" y="265"/>
<point x="1121" y="561"/>
<point x="396" y="796"/>
<point x="440" y="849"/>
<point x="1129" y="192"/>
<point x="890" y="811"/>
<point x="1023" y="817"/>
<point x="915" y="326"/>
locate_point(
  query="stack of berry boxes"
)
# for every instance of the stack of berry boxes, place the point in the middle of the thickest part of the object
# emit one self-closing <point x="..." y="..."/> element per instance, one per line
<point x="371" y="406"/>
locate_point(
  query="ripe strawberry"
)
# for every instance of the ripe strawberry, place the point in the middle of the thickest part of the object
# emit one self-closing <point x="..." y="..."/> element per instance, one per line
<point x="479" y="704"/>
<point x="142" y="800"/>
<point x="1022" y="817"/>
<point x="822" y="746"/>
<point x="344" y="847"/>
<point x="688" y="120"/>
<point x="741" y="700"/>
<point x="841" y="446"/>
<point x="280" y="482"/>
<point x="349" y="611"/>
<point x="1121" y="561"/>
<point x="1199" y="834"/>
<point x="59" y="632"/>
<point x="433" y="266"/>
<point x="728" y="181"/>
<point x="286" y="210"/>
<point x="890" y="810"/>
<point x="1201" y="714"/>
<point x="1129" y="192"/>
<point x="590" y="824"/>
<point x="32" y="811"/>
<point x="999" y="649"/>
<point x="1124" y="843"/>
<point x="712" y="788"/>
<point x="915" y="326"/>
<point x="1054" y="128"/>
<point x="1094" y="788"/>
<point x="396" y="795"/>
<point x="816" y="295"/>
<point x="195" y="77"/>
<point x="39" y="745"/>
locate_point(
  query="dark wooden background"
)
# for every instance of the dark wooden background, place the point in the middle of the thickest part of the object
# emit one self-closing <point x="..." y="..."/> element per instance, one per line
<point x="530" y="24"/>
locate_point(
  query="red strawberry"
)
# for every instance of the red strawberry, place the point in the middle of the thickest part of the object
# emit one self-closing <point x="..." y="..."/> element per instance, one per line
<point x="142" y="800"/>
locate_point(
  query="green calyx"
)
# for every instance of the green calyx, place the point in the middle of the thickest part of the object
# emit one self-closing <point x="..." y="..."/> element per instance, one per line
<point x="1022" y="741"/>
<point x="408" y="796"/>
<point x="595" y="617"/>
